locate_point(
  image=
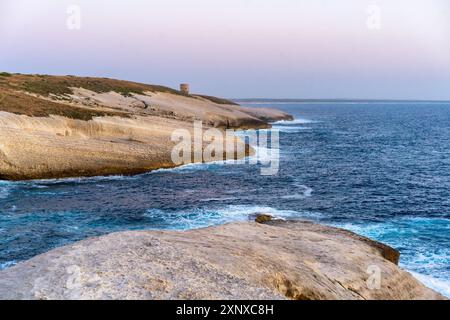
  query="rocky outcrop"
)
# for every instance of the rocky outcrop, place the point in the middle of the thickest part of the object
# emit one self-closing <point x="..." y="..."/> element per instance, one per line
<point x="55" y="147"/>
<point x="275" y="260"/>
<point x="55" y="127"/>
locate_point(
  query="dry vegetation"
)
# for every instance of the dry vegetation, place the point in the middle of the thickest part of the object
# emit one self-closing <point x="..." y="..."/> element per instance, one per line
<point x="45" y="85"/>
<point x="217" y="100"/>
<point x="22" y="94"/>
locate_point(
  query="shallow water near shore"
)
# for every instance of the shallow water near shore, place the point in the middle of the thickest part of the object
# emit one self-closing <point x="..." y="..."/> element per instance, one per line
<point x="379" y="169"/>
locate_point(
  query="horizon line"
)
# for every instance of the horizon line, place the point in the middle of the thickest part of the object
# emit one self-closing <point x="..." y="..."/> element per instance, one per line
<point x="332" y="100"/>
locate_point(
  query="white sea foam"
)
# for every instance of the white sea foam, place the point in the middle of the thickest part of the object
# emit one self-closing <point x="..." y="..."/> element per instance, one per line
<point x="427" y="261"/>
<point x="7" y="264"/>
<point x="195" y="166"/>
<point x="6" y="188"/>
<point x="305" y="193"/>
<point x="218" y="199"/>
<point x="245" y="211"/>
<point x="200" y="218"/>
<point x="308" y="191"/>
<point x="41" y="183"/>
<point x="295" y="121"/>
<point x="188" y="166"/>
<point x="290" y="129"/>
<point x="442" y="286"/>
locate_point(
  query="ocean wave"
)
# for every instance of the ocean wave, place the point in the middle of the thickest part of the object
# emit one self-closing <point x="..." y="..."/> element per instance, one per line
<point x="196" y="166"/>
<point x="290" y="129"/>
<point x="427" y="259"/>
<point x="305" y="193"/>
<point x="43" y="183"/>
<point x="77" y="180"/>
<point x="295" y="121"/>
<point x="7" y="264"/>
<point x="218" y="199"/>
<point x="6" y="188"/>
<point x="184" y="167"/>
<point x="204" y="217"/>
<point x="439" y="285"/>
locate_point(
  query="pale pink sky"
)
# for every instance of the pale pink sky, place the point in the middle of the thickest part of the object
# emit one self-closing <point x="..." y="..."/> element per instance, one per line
<point x="240" y="48"/>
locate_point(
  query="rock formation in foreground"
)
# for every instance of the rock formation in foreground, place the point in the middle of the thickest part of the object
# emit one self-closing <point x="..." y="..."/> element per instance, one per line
<point x="275" y="260"/>
<point x="66" y="126"/>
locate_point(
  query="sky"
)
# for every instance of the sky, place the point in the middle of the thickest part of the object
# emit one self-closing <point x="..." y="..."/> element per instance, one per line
<point x="377" y="49"/>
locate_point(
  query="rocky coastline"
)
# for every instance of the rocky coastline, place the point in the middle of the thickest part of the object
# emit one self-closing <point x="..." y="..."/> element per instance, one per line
<point x="244" y="260"/>
<point x="57" y="127"/>
<point x="66" y="126"/>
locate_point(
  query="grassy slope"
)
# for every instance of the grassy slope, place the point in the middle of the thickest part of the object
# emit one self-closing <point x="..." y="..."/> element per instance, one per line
<point x="217" y="100"/>
<point x="14" y="99"/>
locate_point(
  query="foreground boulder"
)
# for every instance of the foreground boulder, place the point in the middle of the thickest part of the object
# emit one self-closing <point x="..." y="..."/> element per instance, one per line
<point x="275" y="260"/>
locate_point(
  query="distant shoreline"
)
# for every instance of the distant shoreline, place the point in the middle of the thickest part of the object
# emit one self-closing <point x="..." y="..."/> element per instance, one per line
<point x="262" y="100"/>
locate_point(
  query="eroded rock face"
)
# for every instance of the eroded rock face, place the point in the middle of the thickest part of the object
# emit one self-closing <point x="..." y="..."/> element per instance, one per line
<point x="57" y="147"/>
<point x="277" y="260"/>
<point x="56" y="127"/>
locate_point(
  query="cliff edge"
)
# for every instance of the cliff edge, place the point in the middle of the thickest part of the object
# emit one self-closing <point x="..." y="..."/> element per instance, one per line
<point x="66" y="126"/>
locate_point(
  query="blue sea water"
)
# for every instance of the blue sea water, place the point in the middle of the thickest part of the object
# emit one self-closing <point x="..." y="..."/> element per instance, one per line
<point x="379" y="169"/>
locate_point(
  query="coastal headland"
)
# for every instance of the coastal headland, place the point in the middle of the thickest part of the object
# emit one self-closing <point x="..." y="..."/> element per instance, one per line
<point x="67" y="126"/>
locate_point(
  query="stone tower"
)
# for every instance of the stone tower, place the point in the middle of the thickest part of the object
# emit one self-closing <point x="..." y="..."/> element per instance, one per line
<point x="184" y="88"/>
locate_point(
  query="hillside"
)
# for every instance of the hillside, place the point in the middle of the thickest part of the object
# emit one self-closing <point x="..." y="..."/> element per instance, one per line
<point x="85" y="98"/>
<point x="66" y="126"/>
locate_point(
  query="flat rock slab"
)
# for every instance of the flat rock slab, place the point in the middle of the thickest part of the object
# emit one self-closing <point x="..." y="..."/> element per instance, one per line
<point x="246" y="260"/>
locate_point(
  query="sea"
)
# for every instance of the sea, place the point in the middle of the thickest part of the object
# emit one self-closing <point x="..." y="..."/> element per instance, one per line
<point x="380" y="169"/>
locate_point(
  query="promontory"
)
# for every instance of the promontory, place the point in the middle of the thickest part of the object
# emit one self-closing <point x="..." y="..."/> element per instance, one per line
<point x="67" y="126"/>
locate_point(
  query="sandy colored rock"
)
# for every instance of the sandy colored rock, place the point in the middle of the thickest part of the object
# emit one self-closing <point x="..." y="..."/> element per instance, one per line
<point x="53" y="127"/>
<point x="55" y="147"/>
<point x="278" y="260"/>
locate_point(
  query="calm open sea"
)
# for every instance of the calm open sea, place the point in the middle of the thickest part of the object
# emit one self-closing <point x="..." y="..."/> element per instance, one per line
<point x="380" y="169"/>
